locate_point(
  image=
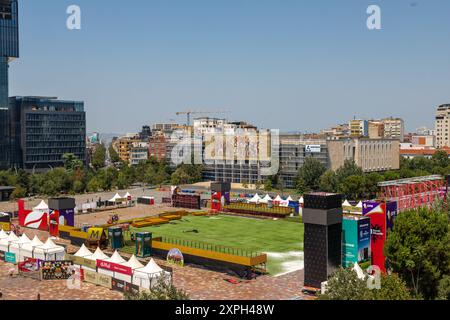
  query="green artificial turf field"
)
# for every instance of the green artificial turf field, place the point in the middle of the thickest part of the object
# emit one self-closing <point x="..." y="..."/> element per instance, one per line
<point x="281" y="239"/>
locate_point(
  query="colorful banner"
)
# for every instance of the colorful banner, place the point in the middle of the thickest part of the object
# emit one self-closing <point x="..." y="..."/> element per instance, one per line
<point x="56" y="270"/>
<point x="114" y="267"/>
<point x="377" y="213"/>
<point x="29" y="265"/>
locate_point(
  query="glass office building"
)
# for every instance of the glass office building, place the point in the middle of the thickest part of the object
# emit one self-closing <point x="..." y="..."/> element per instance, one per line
<point x="43" y="129"/>
<point x="9" y="49"/>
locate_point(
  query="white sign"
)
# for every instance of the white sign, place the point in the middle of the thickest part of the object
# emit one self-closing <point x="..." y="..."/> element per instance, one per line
<point x="313" y="148"/>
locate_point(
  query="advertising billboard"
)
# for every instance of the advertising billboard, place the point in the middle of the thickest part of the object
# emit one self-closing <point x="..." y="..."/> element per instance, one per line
<point x="114" y="267"/>
<point x="377" y="213"/>
<point x="313" y="148"/>
<point x="10" y="257"/>
<point x="56" y="270"/>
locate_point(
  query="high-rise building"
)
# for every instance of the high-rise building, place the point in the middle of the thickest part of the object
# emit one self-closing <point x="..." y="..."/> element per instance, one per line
<point x="376" y="129"/>
<point x="443" y="126"/>
<point x="43" y="129"/>
<point x="9" y="50"/>
<point x="394" y="128"/>
<point x="359" y="128"/>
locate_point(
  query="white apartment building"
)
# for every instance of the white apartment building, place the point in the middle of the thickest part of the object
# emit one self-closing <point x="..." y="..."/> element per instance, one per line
<point x="442" y="126"/>
<point x="394" y="128"/>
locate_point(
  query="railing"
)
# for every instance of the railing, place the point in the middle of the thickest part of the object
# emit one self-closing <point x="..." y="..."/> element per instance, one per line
<point x="210" y="247"/>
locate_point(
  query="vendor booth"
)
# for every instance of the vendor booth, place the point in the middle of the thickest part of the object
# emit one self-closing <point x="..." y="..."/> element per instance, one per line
<point x="150" y="275"/>
<point x="49" y="251"/>
<point x="256" y="199"/>
<point x="98" y="255"/>
<point x="16" y="247"/>
<point x="133" y="264"/>
<point x="6" y="242"/>
<point x="111" y="266"/>
<point x="27" y="250"/>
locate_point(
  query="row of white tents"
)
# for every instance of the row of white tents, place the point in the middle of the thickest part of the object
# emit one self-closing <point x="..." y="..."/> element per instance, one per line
<point x="24" y="248"/>
<point x="118" y="197"/>
<point x="142" y="276"/>
<point x="257" y="199"/>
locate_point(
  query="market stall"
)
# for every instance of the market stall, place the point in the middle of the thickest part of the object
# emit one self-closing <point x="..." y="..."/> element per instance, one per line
<point x="111" y="266"/>
<point x="133" y="263"/>
<point x="150" y="275"/>
<point x="16" y="247"/>
<point x="5" y="242"/>
<point x="49" y="251"/>
<point x="98" y="255"/>
<point x="27" y="250"/>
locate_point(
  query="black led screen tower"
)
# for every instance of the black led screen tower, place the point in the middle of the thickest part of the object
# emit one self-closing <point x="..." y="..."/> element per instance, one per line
<point x="322" y="217"/>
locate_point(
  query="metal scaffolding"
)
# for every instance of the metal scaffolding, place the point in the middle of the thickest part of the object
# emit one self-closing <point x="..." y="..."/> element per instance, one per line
<point x="414" y="192"/>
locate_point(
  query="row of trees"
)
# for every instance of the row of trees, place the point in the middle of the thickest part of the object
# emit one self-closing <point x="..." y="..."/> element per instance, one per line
<point x="354" y="184"/>
<point x="75" y="178"/>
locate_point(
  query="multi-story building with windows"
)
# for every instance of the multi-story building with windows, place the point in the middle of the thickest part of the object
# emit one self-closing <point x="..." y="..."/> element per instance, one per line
<point x="43" y="129"/>
<point x="442" y="126"/>
<point x="394" y="128"/>
<point x="359" y="128"/>
<point x="138" y="153"/>
<point x="294" y="150"/>
<point x="372" y="155"/>
<point x="9" y="50"/>
<point x="124" y="144"/>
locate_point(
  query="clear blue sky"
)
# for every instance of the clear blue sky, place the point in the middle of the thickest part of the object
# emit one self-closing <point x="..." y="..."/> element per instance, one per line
<point x="288" y="64"/>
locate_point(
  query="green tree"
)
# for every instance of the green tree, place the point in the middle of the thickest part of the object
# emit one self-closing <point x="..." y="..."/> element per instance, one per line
<point x="71" y="162"/>
<point x="348" y="169"/>
<point x="113" y="155"/>
<point x="328" y="182"/>
<point x="99" y="157"/>
<point x="268" y="185"/>
<point x="309" y="174"/>
<point x="444" y="288"/>
<point x="418" y="249"/>
<point x="344" y="284"/>
<point x="18" y="193"/>
<point x="93" y="185"/>
<point x="353" y="187"/>
<point x="392" y="288"/>
<point x="371" y="181"/>
<point x="162" y="291"/>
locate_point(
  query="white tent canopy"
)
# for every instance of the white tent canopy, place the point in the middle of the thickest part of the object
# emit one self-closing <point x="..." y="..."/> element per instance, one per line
<point x="41" y="206"/>
<point x="149" y="276"/>
<point x="28" y="248"/>
<point x="16" y="247"/>
<point x="301" y="200"/>
<point x="83" y="252"/>
<point x="116" y="258"/>
<point x="116" y="196"/>
<point x="256" y="198"/>
<point x="127" y="195"/>
<point x="3" y="234"/>
<point x="267" y="198"/>
<point x="133" y="263"/>
<point x="98" y="255"/>
<point x="278" y="199"/>
<point x="359" y="205"/>
<point x="289" y="199"/>
<point x="6" y="242"/>
<point x="346" y="204"/>
<point x="49" y="251"/>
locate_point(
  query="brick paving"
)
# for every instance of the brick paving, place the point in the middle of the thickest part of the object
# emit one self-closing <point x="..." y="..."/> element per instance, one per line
<point x="21" y="288"/>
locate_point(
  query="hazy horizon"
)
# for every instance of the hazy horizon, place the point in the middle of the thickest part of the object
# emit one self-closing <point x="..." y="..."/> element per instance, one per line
<point x="293" y="65"/>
